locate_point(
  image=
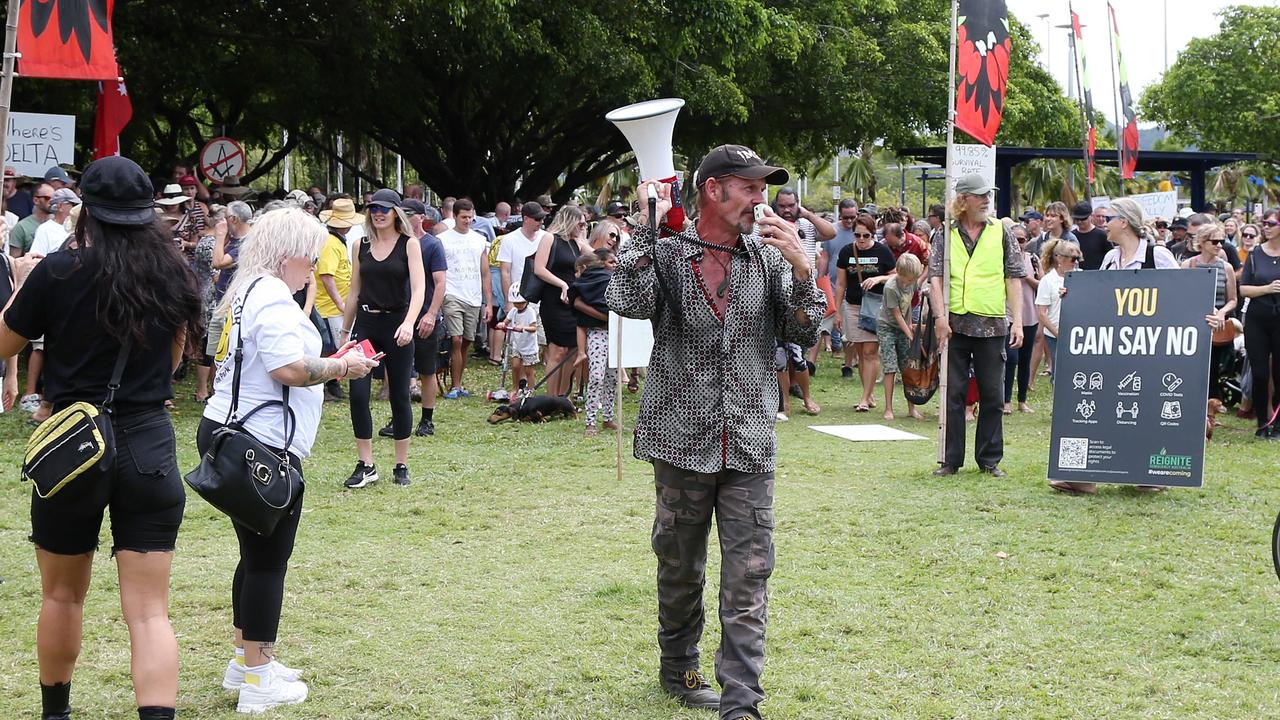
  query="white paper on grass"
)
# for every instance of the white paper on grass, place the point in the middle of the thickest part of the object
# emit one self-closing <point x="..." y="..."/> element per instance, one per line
<point x="637" y="341"/>
<point x="866" y="433"/>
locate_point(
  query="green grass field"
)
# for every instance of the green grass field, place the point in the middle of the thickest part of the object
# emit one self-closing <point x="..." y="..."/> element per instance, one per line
<point x="514" y="579"/>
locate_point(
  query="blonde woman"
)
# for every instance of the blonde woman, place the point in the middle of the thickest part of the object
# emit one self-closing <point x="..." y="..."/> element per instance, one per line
<point x="1208" y="242"/>
<point x="553" y="264"/>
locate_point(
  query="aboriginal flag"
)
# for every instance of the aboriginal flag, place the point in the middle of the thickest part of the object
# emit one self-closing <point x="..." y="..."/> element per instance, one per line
<point x="1129" y="134"/>
<point x="1091" y="132"/>
<point x="983" y="47"/>
<point x="68" y="39"/>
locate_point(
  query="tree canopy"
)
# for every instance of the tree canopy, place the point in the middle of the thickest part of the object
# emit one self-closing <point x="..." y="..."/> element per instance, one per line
<point x="503" y="98"/>
<point x="1223" y="92"/>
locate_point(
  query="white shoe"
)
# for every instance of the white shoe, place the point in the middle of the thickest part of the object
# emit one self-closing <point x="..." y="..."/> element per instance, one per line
<point x="29" y="403"/>
<point x="782" y="417"/>
<point x="233" y="678"/>
<point x="265" y="688"/>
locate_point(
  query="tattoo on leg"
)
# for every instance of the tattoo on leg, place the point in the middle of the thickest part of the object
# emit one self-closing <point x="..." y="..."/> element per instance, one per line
<point x="268" y="650"/>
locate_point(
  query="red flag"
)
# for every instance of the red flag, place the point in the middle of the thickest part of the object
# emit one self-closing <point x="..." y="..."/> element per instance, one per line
<point x="1091" y="132"/>
<point x="68" y="39"/>
<point x="115" y="110"/>
<point x="1129" y="136"/>
<point x="982" y="67"/>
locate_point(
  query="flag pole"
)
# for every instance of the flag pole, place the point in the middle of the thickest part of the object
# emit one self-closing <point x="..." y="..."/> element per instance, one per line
<point x="1079" y="88"/>
<point x="1115" y="96"/>
<point x="6" y="80"/>
<point x="945" y="239"/>
<point x="617" y="395"/>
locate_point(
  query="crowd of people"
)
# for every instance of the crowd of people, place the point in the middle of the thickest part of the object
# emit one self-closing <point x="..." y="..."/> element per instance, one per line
<point x="293" y="294"/>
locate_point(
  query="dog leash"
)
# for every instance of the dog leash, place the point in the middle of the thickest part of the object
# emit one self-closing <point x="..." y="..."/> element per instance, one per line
<point x="567" y="357"/>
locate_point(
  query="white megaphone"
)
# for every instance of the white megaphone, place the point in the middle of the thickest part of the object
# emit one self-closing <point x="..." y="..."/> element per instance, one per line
<point x="648" y="127"/>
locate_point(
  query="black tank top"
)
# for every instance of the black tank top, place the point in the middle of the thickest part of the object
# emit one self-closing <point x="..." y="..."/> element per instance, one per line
<point x="383" y="282"/>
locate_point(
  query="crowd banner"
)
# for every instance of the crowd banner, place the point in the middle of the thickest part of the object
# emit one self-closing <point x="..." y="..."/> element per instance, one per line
<point x="1131" y="377"/>
<point x="1158" y="204"/>
<point x="35" y="142"/>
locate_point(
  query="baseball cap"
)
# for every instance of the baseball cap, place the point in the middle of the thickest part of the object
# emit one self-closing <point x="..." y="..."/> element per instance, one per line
<point x="545" y="201"/>
<point x="974" y="184"/>
<point x="57" y="173"/>
<point x="64" y="195"/>
<point x="533" y="210"/>
<point x="615" y="209"/>
<point x="1180" y="222"/>
<point x="1083" y="209"/>
<point x="1031" y="214"/>
<point x="188" y="181"/>
<point x="413" y="206"/>
<point x="738" y="161"/>
<point x="117" y="191"/>
<point x="387" y="198"/>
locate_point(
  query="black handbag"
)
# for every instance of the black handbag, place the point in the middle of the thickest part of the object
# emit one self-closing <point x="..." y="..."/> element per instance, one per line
<point x="531" y="286"/>
<point x="76" y="442"/>
<point x="255" y="485"/>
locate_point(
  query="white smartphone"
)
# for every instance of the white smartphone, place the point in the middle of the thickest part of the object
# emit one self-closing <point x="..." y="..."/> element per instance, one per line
<point x="759" y="211"/>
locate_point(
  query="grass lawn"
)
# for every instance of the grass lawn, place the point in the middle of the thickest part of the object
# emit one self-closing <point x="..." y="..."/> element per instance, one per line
<point x="514" y="579"/>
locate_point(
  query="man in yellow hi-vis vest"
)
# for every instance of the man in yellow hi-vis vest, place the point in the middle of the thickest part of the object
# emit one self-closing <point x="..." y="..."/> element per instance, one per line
<point x="985" y="269"/>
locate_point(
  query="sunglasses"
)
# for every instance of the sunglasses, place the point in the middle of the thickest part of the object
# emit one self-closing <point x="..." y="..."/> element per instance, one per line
<point x="378" y="210"/>
<point x="613" y="236"/>
<point x="1249" y="235"/>
<point x="1271" y="223"/>
<point x="1109" y="218"/>
<point x="43" y="197"/>
<point x="849" y="218"/>
<point x="1072" y="258"/>
<point x="1216" y="241"/>
<point x="864" y="236"/>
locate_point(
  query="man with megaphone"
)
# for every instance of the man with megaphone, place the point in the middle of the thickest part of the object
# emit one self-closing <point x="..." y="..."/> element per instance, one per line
<point x="718" y="293"/>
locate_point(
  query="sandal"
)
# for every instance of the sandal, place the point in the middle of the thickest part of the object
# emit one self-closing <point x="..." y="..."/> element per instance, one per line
<point x="1073" y="488"/>
<point x="862" y="407"/>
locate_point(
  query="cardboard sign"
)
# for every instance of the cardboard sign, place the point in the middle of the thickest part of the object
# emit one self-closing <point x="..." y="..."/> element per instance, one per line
<point x="970" y="159"/>
<point x="1158" y="204"/>
<point x="1131" y="377"/>
<point x="222" y="158"/>
<point x="637" y="341"/>
<point x="35" y="142"/>
<point x="1101" y="201"/>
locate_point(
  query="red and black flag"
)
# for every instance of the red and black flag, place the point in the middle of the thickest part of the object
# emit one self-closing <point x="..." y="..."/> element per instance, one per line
<point x="1129" y="135"/>
<point x="983" y="46"/>
<point x="1091" y="132"/>
<point x="68" y="39"/>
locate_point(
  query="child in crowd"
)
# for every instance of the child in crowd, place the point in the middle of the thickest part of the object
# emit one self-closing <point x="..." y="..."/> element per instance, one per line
<point x="521" y="326"/>
<point x="894" y="329"/>
<point x="586" y="296"/>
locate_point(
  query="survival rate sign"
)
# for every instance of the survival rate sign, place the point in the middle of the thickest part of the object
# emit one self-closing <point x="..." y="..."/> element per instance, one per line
<point x="1131" y="377"/>
<point x="35" y="142"/>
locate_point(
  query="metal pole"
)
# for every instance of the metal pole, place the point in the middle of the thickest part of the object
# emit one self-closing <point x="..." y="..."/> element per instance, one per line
<point x="6" y="82"/>
<point x="339" y="163"/>
<point x="399" y="174"/>
<point x="1084" y="116"/>
<point x="835" y="180"/>
<point x="948" y="194"/>
<point x="288" y="165"/>
<point x="617" y="395"/>
<point x="1115" y="98"/>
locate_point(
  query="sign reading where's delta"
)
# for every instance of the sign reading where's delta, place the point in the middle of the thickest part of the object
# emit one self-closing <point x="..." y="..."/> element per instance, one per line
<point x="1131" y="377"/>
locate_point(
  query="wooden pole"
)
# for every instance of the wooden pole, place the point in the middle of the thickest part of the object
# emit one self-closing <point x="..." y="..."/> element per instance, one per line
<point x="617" y="397"/>
<point x="6" y="81"/>
<point x="1084" y="114"/>
<point x="948" y="196"/>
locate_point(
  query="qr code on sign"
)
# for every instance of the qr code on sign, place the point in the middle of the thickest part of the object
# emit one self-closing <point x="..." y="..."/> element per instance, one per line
<point x="1073" y="453"/>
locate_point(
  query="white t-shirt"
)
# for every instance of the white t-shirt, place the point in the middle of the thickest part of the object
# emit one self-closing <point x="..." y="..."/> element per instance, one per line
<point x="353" y="237"/>
<point x="515" y="249"/>
<point x="523" y="343"/>
<point x="466" y="255"/>
<point x="276" y="333"/>
<point x="1047" y="295"/>
<point x="50" y="235"/>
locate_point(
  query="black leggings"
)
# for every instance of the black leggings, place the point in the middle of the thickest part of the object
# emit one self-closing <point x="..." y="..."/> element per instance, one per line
<point x="380" y="329"/>
<point x="1262" y="345"/>
<point x="257" y="588"/>
<point x="1019" y="359"/>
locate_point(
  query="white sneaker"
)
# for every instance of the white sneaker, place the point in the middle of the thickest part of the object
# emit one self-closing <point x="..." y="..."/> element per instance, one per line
<point x="782" y="417"/>
<point x="29" y="403"/>
<point x="265" y="688"/>
<point x="233" y="678"/>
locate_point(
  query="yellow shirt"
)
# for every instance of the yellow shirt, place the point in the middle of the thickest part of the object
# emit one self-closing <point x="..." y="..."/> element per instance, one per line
<point x="333" y="261"/>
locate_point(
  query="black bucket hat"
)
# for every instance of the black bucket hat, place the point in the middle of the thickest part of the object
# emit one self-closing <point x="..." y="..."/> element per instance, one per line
<point x="117" y="191"/>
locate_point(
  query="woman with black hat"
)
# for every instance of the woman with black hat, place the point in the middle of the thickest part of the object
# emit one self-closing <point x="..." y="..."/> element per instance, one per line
<point x="387" y="287"/>
<point x="122" y="296"/>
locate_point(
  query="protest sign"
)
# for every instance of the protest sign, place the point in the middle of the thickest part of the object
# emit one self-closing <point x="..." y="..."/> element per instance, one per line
<point x="35" y="142"/>
<point x="1158" y="204"/>
<point x="971" y="159"/>
<point x="1131" y="377"/>
<point x="637" y="341"/>
<point x="1101" y="201"/>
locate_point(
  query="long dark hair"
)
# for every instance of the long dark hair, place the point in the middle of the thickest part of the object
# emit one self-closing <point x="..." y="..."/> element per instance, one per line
<point x="141" y="279"/>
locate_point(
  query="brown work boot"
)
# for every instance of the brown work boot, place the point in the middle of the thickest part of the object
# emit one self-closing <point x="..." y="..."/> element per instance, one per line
<point x="689" y="688"/>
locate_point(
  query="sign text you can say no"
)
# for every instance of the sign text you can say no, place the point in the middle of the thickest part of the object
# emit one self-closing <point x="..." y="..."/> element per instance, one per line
<point x="1140" y="340"/>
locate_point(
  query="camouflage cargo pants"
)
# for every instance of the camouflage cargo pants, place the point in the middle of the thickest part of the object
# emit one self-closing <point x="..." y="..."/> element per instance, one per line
<point x="743" y="508"/>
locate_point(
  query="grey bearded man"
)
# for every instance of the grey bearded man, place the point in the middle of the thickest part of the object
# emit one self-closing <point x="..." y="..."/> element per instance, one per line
<point x="719" y="297"/>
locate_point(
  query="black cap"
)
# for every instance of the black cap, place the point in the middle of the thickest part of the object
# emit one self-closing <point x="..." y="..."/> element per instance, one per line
<point x="57" y="173"/>
<point x="1082" y="210"/>
<point x="1180" y="222"/>
<point x="615" y="209"/>
<point x="386" y="198"/>
<point x="117" y="191"/>
<point x="413" y="207"/>
<point x="533" y="210"/>
<point x="739" y="161"/>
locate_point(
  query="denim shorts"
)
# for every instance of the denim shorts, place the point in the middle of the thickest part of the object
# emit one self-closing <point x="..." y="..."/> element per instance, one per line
<point x="144" y="492"/>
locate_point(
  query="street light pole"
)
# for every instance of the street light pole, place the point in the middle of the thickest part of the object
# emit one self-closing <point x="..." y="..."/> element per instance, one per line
<point x="1048" y="42"/>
